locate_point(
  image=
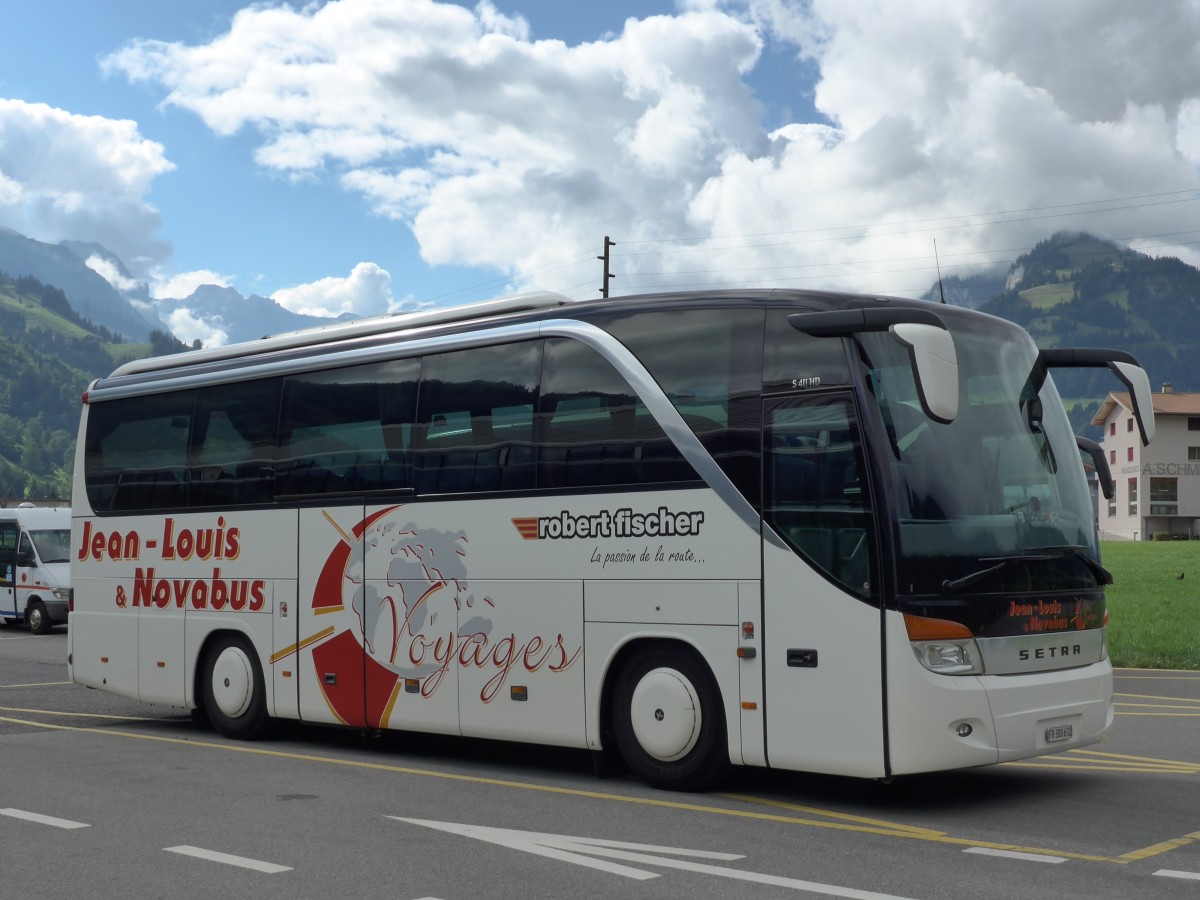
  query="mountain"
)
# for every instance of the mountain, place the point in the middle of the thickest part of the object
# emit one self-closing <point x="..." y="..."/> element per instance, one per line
<point x="50" y="354"/>
<point x="1076" y="290"/>
<point x="89" y="294"/>
<point x="240" y="318"/>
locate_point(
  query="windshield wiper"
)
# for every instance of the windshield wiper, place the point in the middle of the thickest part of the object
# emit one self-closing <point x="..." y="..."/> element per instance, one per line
<point x="1102" y="574"/>
<point x="1040" y="554"/>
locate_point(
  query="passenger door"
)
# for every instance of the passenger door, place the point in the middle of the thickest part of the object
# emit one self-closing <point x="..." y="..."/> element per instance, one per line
<point x="822" y="620"/>
<point x="8" y="570"/>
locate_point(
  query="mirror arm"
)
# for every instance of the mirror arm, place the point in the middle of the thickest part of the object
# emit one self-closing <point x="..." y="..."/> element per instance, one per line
<point x="1103" y="472"/>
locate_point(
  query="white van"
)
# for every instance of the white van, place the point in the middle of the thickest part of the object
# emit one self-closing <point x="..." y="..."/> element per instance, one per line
<point x="35" y="566"/>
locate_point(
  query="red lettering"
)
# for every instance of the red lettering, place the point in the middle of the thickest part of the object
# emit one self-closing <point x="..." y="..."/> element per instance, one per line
<point x="186" y="544"/>
<point x="531" y="649"/>
<point x="237" y="595"/>
<point x="258" y="595"/>
<point x="233" y="547"/>
<point x="142" y="586"/>
<point x="200" y="595"/>
<point x="168" y="546"/>
<point x="443" y="654"/>
<point x="564" y="662"/>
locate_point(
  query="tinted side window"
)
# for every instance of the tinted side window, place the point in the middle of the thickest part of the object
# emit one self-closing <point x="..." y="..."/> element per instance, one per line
<point x="709" y="363"/>
<point x="233" y="438"/>
<point x="348" y="430"/>
<point x="136" y="452"/>
<point x="476" y="420"/>
<point x="594" y="431"/>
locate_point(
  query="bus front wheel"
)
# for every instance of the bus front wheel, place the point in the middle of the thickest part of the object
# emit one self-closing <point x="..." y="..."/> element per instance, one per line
<point x="36" y="618"/>
<point x="232" y="689"/>
<point x="668" y="720"/>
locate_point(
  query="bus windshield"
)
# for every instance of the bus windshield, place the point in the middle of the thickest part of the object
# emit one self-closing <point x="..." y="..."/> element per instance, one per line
<point x="53" y="545"/>
<point x="996" y="500"/>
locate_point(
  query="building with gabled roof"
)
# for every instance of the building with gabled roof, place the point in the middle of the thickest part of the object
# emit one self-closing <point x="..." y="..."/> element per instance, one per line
<point x="1157" y="488"/>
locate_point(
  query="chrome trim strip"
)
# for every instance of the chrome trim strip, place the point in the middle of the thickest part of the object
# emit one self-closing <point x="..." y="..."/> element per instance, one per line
<point x="1044" y="652"/>
<point x="599" y="340"/>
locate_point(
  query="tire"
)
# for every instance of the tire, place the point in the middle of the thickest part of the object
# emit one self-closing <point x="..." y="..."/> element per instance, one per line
<point x="668" y="719"/>
<point x="232" y="688"/>
<point x="36" y="618"/>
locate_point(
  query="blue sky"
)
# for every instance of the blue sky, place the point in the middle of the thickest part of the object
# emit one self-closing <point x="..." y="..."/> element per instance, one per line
<point x="369" y="155"/>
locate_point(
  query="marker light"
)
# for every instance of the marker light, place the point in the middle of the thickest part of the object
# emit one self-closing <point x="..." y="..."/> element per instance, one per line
<point x="942" y="646"/>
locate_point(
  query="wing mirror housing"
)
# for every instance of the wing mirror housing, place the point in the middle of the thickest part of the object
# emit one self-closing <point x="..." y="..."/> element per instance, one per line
<point x="1121" y="364"/>
<point x="922" y="332"/>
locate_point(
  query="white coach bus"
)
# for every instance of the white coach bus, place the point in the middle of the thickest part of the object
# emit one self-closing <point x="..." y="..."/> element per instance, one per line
<point x="809" y="531"/>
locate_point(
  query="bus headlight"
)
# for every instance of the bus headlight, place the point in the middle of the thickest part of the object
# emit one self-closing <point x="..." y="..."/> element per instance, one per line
<point x="943" y="646"/>
<point x="62" y="593"/>
<point x="948" y="657"/>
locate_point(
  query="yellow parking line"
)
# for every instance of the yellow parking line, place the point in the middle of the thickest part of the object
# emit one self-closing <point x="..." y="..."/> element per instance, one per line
<point x="80" y="715"/>
<point x="1159" y="849"/>
<point x="37" y="684"/>
<point x="1155" y="697"/>
<point x="862" y="820"/>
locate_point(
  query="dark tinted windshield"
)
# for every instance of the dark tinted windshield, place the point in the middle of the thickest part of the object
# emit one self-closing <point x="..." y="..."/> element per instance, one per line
<point x="1003" y="480"/>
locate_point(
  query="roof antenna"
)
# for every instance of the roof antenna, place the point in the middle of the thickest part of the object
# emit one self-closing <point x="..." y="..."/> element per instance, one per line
<point x="939" y="271"/>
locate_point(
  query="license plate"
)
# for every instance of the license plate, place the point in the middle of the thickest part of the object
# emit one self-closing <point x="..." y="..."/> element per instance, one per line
<point x="1059" y="733"/>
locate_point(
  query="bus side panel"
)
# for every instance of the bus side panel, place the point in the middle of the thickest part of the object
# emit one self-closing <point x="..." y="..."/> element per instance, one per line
<point x="161" y="660"/>
<point x="754" y="737"/>
<point x="330" y="653"/>
<point x="822" y="655"/>
<point x="284" y="680"/>
<point x="522" y="662"/>
<point x="102" y="639"/>
<point x="417" y="597"/>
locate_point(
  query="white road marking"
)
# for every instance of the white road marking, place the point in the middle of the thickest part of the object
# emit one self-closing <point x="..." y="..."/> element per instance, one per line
<point x="1013" y="854"/>
<point x="572" y="849"/>
<point x="42" y="820"/>
<point x="229" y="859"/>
<point x="1171" y="873"/>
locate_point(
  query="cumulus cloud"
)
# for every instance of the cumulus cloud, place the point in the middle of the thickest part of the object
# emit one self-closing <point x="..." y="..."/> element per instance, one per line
<point x="108" y="270"/>
<point x="367" y="291"/>
<point x="183" y="285"/>
<point x="189" y="328"/>
<point x="83" y="177"/>
<point x="503" y="150"/>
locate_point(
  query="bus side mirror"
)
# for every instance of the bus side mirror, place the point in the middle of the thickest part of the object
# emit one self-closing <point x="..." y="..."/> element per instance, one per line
<point x="1121" y="364"/>
<point x="1138" y="382"/>
<point x="935" y="367"/>
<point x="25" y="559"/>
<point x="930" y="346"/>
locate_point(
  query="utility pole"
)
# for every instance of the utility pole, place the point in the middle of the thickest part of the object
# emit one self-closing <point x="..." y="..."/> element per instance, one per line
<point x="607" y="274"/>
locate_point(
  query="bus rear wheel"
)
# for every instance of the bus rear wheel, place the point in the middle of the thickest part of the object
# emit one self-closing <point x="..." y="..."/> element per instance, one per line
<point x="233" y="694"/>
<point x="668" y="720"/>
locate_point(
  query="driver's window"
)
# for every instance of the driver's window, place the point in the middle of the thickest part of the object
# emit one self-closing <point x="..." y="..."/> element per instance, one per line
<point x="815" y="491"/>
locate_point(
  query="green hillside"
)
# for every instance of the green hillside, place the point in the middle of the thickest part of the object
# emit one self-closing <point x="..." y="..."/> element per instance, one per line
<point x="50" y="356"/>
<point x="1076" y="291"/>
